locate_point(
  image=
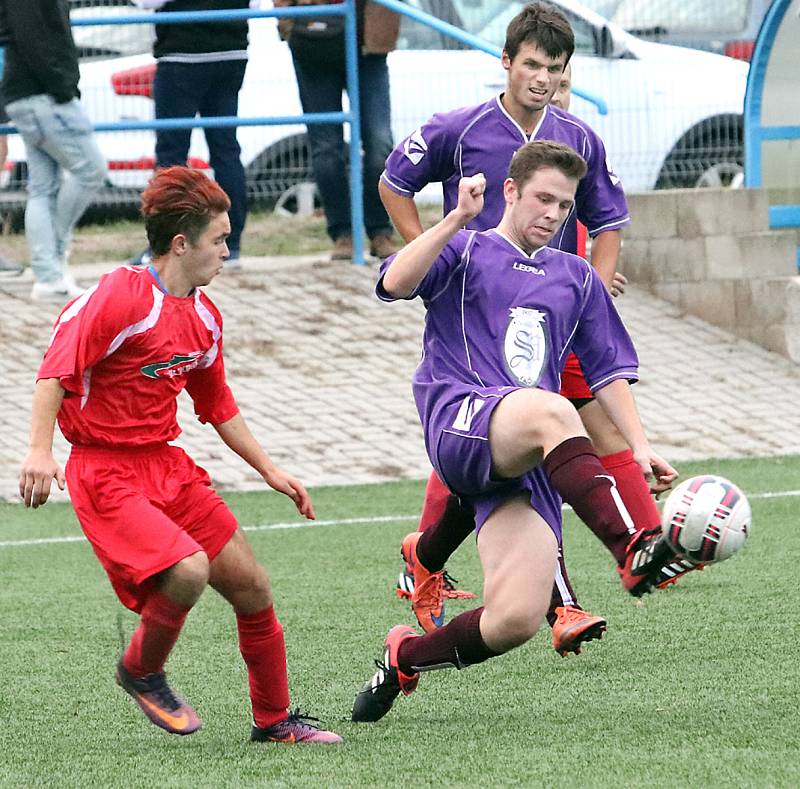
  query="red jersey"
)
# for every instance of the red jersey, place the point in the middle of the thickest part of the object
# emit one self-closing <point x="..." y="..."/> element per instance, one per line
<point x="124" y="350"/>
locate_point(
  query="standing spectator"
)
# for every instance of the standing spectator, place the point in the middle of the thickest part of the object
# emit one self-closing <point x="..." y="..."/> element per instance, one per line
<point x="65" y="166"/>
<point x="6" y="266"/>
<point x="200" y="70"/>
<point x="318" y="54"/>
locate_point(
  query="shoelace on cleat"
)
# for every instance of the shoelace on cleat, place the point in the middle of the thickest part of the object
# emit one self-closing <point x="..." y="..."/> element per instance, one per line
<point x="164" y="694"/>
<point x="297" y="717"/>
<point x="449" y="582"/>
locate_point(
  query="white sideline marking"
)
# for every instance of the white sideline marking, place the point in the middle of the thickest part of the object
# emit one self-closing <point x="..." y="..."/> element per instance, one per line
<point x="262" y="527"/>
<point x="334" y="522"/>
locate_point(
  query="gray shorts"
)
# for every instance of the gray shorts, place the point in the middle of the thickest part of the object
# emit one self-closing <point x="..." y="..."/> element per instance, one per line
<point x="461" y="455"/>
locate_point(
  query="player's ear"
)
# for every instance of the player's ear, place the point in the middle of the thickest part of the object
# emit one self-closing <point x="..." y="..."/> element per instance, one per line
<point x="505" y="60"/>
<point x="179" y="244"/>
<point x="509" y="189"/>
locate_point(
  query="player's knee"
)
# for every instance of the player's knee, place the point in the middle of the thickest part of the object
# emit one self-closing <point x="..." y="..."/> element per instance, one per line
<point x="518" y="625"/>
<point x="192" y="572"/>
<point x="258" y="589"/>
<point x="251" y="590"/>
<point x="546" y="417"/>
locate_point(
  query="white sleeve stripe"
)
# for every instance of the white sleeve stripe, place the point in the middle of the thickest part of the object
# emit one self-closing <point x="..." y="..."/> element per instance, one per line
<point x="73" y="310"/>
<point x="626" y="220"/>
<point x="140" y="326"/>
<point x="211" y="324"/>
<point x="629" y="374"/>
<point x="394" y="187"/>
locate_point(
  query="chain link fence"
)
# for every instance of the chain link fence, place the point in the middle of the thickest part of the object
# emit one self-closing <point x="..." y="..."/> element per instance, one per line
<point x="674" y="113"/>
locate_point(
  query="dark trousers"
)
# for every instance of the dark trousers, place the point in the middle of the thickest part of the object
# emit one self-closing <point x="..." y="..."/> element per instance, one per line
<point x="321" y="80"/>
<point x="182" y="90"/>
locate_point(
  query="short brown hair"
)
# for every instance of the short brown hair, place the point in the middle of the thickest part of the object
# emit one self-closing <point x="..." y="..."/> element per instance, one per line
<point x="543" y="25"/>
<point x="179" y="200"/>
<point x="538" y="154"/>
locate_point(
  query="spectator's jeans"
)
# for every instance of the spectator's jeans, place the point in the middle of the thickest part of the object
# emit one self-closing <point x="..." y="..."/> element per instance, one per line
<point x="181" y="90"/>
<point x="65" y="171"/>
<point x="321" y="89"/>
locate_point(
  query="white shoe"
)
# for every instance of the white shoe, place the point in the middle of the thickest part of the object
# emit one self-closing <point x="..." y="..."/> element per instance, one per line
<point x="58" y="292"/>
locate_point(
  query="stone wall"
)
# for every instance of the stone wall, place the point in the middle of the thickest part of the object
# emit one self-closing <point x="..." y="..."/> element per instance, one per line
<point x="711" y="253"/>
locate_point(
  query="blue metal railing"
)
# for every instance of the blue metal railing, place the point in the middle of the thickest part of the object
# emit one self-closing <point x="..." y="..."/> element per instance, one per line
<point x="347" y="9"/>
<point x="755" y="133"/>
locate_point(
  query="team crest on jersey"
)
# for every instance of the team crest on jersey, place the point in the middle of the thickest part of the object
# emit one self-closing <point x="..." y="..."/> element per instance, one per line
<point x="415" y="147"/>
<point x="179" y="364"/>
<point x="525" y="345"/>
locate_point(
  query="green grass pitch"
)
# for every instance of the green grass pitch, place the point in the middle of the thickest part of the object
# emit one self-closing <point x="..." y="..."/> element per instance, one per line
<point x="698" y="685"/>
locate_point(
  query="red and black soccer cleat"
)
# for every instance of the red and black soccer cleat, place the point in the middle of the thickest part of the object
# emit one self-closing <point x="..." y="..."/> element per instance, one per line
<point x="647" y="553"/>
<point x="670" y="573"/>
<point x="377" y="695"/>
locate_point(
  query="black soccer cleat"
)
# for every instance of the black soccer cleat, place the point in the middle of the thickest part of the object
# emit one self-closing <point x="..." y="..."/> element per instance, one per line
<point x="647" y="553"/>
<point x="375" y="699"/>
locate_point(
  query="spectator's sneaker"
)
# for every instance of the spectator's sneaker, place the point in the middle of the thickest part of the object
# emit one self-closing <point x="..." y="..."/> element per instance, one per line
<point x="144" y="258"/>
<point x="382" y="246"/>
<point x="670" y="573"/>
<point x="427" y="599"/>
<point x="647" y="553"/>
<point x="59" y="292"/>
<point x="375" y="699"/>
<point x="295" y="728"/>
<point x="10" y="267"/>
<point x="572" y="627"/>
<point x="233" y="261"/>
<point x="159" y="702"/>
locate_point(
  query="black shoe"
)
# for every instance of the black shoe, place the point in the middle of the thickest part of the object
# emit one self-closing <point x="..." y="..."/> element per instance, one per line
<point x="647" y="553"/>
<point x="375" y="699"/>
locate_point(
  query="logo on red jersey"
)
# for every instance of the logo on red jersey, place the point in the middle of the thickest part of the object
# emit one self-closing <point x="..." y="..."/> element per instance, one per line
<point x="179" y="364"/>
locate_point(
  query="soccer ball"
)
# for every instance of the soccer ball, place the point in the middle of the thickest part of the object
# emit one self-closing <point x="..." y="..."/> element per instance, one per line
<point x="706" y="519"/>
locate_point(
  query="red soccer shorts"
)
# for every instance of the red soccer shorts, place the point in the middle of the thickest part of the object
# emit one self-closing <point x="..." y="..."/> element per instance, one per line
<point x="143" y="510"/>
<point x="573" y="384"/>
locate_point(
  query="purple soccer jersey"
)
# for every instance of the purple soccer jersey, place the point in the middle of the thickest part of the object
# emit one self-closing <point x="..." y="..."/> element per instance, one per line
<point x="482" y="139"/>
<point x="498" y="320"/>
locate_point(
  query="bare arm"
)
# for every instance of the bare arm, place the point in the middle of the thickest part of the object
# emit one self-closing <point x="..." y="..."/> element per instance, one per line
<point x="617" y="401"/>
<point x="238" y="437"/>
<point x="605" y="255"/>
<point x="39" y="467"/>
<point x="414" y="261"/>
<point x="402" y="211"/>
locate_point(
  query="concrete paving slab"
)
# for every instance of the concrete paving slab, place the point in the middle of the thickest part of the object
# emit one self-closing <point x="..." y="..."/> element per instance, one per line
<point x="322" y="372"/>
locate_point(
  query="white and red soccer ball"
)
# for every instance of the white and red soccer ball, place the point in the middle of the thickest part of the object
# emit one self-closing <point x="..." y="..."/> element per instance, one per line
<point x="706" y="519"/>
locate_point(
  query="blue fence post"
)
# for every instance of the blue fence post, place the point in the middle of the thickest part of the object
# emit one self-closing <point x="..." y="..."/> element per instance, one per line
<point x="356" y="178"/>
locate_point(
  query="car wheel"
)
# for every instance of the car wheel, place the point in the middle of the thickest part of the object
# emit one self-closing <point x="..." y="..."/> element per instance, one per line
<point x="710" y="155"/>
<point x="722" y="175"/>
<point x="279" y="168"/>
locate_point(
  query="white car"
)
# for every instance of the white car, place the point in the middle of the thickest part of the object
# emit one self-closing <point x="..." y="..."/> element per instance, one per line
<point x="674" y="115"/>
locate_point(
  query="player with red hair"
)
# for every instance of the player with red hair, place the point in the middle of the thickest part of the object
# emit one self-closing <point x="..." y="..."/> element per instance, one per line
<point x="118" y="358"/>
